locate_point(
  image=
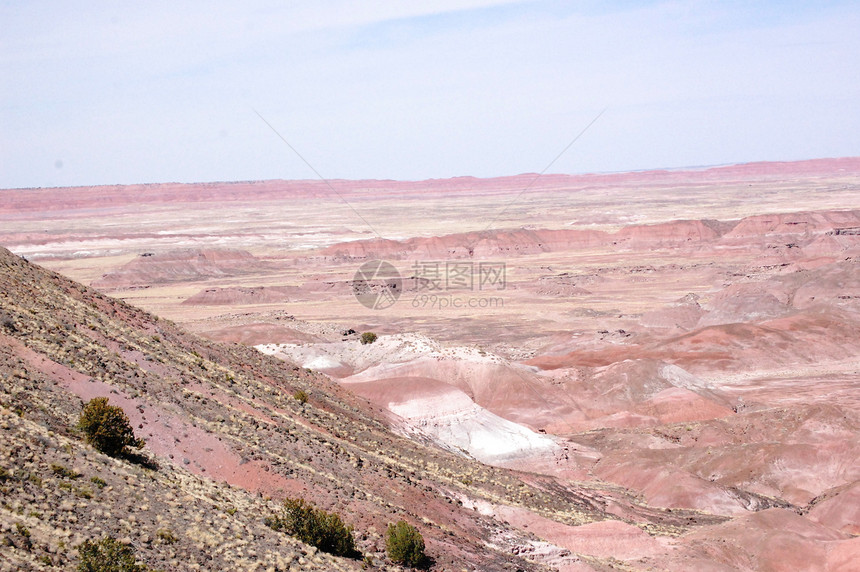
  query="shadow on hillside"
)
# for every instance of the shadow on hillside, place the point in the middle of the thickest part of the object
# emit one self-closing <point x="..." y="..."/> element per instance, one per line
<point x="141" y="461"/>
<point x="426" y="563"/>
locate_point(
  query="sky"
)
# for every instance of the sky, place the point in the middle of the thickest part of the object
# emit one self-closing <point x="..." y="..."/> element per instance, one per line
<point x="120" y="93"/>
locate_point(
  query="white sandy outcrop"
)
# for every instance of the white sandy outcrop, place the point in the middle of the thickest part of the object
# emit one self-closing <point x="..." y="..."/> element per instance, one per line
<point x="450" y="417"/>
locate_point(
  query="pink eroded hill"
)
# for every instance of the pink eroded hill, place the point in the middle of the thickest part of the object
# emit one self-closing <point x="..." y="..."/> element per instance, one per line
<point x="682" y="315"/>
<point x="239" y="295"/>
<point x="804" y="337"/>
<point x="836" y="284"/>
<point x="567" y="400"/>
<point x="745" y="302"/>
<point x="839" y="509"/>
<point x="486" y="244"/>
<point x="798" y="313"/>
<point x="259" y="333"/>
<point x="799" y="286"/>
<point x="768" y="457"/>
<point x="837" y="244"/>
<point x="92" y="199"/>
<point x="803" y="223"/>
<point x="670" y="233"/>
<point x="774" y="539"/>
<point x="504" y="389"/>
<point x="780" y="236"/>
<point x="185" y="265"/>
<point x="645" y="391"/>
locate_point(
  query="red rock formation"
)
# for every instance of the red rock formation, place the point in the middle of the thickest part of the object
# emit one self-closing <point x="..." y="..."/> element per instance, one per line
<point x="237" y="296"/>
<point x="180" y="266"/>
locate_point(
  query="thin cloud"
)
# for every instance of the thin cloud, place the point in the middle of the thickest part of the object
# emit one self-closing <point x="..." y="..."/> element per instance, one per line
<point x="165" y="91"/>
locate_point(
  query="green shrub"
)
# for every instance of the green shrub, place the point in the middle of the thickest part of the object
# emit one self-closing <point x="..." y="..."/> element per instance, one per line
<point x="107" y="555"/>
<point x="405" y="545"/>
<point x="106" y="427"/>
<point x="166" y="536"/>
<point x="368" y="338"/>
<point x="315" y="526"/>
<point x="64" y="472"/>
<point x="24" y="533"/>
<point x="301" y="396"/>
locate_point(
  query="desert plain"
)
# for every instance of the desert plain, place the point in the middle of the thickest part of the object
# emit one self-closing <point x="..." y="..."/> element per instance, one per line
<point x="687" y="338"/>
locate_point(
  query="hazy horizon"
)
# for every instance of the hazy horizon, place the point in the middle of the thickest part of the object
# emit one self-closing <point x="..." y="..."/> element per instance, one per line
<point x="538" y="176"/>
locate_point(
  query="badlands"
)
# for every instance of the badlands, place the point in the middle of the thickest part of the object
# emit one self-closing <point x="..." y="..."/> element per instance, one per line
<point x="686" y="339"/>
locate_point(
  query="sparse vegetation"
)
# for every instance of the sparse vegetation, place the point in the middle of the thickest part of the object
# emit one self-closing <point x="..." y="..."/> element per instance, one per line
<point x="24" y="533"/>
<point x="64" y="472"/>
<point x="301" y="396"/>
<point x="368" y="338"/>
<point x="166" y="536"/>
<point x="107" y="428"/>
<point x="7" y="323"/>
<point x="315" y="526"/>
<point x="99" y="482"/>
<point x="405" y="545"/>
<point x="107" y="555"/>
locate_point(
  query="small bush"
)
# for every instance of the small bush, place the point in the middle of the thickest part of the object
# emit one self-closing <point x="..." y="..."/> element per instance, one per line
<point x="106" y="427"/>
<point x="107" y="555"/>
<point x="368" y="338"/>
<point x="405" y="545"/>
<point x="315" y="526"/>
<point x="99" y="482"/>
<point x="301" y="396"/>
<point x="166" y="536"/>
<point x="7" y="323"/>
<point x="64" y="472"/>
<point x="24" y="533"/>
